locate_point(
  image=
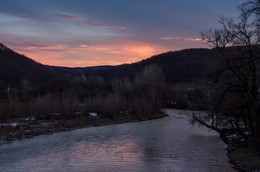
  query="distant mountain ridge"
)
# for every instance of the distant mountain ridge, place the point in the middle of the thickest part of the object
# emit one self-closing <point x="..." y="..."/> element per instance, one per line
<point x="180" y="66"/>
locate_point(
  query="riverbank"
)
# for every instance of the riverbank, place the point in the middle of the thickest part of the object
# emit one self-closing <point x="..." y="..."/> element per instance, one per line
<point x="166" y="144"/>
<point x="30" y="127"/>
<point x="242" y="152"/>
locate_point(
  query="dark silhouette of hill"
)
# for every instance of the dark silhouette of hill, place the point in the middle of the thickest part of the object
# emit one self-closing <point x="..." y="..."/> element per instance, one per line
<point x="16" y="69"/>
<point x="179" y="66"/>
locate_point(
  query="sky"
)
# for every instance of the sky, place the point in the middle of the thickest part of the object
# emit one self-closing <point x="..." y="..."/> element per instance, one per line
<point x="79" y="33"/>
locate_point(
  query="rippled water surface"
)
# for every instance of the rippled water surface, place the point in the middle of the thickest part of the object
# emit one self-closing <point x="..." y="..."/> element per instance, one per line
<point x="168" y="144"/>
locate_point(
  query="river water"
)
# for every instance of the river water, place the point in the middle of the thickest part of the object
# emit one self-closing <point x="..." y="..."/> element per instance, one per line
<point x="168" y="144"/>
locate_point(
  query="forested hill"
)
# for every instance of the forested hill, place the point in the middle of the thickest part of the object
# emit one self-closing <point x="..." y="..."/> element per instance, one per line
<point x="16" y="69"/>
<point x="179" y="66"/>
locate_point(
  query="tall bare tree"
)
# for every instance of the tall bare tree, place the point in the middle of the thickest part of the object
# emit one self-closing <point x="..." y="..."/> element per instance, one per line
<point x="237" y="44"/>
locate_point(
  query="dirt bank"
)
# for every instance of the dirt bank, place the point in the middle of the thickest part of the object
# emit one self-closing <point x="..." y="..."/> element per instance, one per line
<point x="27" y="128"/>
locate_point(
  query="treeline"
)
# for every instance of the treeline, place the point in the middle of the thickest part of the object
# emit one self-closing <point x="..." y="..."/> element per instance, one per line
<point x="141" y="97"/>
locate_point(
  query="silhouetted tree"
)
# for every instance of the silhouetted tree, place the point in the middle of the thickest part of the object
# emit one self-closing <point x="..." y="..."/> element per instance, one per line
<point x="237" y="77"/>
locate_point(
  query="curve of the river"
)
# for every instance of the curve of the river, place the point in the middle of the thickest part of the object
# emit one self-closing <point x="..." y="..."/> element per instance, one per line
<point x="167" y="144"/>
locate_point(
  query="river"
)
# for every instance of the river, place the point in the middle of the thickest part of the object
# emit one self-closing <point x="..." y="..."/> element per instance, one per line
<point x="167" y="144"/>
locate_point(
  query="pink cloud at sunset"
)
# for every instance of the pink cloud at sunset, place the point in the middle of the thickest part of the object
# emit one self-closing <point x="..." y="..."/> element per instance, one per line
<point x="99" y="25"/>
<point x="170" y="38"/>
<point x="67" y="16"/>
<point x="84" y="55"/>
<point x="194" y="39"/>
<point x="167" y="38"/>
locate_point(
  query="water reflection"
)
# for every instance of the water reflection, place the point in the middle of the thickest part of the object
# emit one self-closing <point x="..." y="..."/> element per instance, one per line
<point x="169" y="144"/>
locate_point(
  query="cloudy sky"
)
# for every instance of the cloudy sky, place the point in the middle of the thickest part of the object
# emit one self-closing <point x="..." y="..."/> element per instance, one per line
<point x="106" y="32"/>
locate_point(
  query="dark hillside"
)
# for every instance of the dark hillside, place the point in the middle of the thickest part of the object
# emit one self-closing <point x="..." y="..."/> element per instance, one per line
<point x="179" y="66"/>
<point x="16" y="69"/>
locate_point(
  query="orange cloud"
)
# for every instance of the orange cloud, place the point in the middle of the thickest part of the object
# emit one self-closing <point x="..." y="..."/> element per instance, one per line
<point x="88" y="55"/>
<point x="143" y="50"/>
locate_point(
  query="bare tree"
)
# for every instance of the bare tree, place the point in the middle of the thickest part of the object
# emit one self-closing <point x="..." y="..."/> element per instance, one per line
<point x="237" y="46"/>
<point x="149" y="86"/>
<point x="251" y="7"/>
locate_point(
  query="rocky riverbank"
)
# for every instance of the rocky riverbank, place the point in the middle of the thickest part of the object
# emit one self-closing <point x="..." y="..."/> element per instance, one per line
<point x="242" y="151"/>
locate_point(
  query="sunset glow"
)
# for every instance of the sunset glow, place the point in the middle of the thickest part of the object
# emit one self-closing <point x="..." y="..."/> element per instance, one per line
<point x="91" y="55"/>
<point x="81" y="33"/>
